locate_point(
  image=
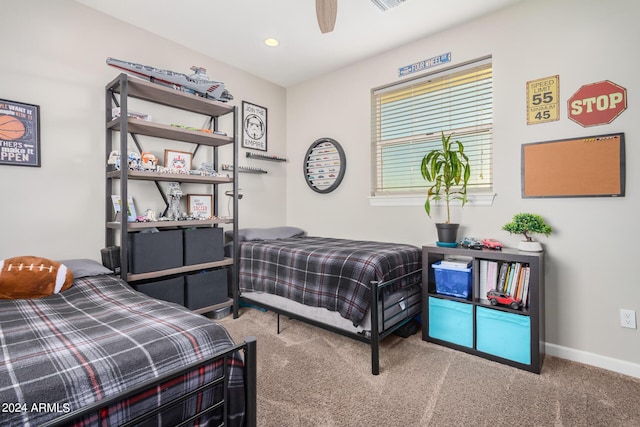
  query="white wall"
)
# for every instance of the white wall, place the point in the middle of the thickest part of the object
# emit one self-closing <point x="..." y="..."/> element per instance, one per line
<point x="54" y="56"/>
<point x="591" y="255"/>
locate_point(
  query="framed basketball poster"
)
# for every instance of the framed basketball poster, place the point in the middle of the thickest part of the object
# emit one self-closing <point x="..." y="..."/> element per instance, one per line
<point x="19" y="134"/>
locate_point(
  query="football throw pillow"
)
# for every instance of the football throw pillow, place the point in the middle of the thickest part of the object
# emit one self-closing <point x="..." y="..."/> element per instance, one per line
<point x="32" y="277"/>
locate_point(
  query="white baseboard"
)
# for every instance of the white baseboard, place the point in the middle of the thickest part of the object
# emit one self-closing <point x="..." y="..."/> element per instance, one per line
<point x="604" y="362"/>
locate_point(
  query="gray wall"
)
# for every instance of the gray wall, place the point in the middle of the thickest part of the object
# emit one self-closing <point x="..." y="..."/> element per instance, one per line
<point x="590" y="256"/>
<point x="54" y="57"/>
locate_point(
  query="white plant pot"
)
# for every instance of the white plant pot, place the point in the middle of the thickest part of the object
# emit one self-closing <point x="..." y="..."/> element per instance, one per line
<point x="530" y="246"/>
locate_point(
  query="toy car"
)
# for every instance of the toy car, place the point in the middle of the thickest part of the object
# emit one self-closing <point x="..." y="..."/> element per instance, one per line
<point x="496" y="298"/>
<point x="471" y="243"/>
<point x="492" y="244"/>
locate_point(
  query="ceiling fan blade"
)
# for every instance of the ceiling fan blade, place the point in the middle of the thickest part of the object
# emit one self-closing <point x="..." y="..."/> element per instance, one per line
<point x="326" y="11"/>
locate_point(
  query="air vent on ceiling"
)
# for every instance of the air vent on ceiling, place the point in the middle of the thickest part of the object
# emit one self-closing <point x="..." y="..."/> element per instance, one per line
<point x="387" y="4"/>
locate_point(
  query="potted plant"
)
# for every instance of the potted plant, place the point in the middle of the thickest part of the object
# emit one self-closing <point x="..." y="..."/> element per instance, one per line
<point x="447" y="170"/>
<point x="526" y="223"/>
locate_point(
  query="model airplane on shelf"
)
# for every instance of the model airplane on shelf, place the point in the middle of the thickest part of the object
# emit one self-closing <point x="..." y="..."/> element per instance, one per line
<point x="197" y="83"/>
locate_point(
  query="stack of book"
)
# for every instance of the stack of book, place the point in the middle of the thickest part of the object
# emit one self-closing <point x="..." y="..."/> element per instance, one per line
<point x="508" y="277"/>
<point x="456" y="262"/>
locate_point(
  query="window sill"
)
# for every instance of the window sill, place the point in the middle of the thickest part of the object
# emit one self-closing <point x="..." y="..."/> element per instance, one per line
<point x="473" y="200"/>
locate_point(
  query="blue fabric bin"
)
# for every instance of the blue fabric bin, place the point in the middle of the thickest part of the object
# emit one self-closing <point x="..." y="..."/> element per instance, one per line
<point x="451" y="321"/>
<point x="503" y="334"/>
<point x="453" y="281"/>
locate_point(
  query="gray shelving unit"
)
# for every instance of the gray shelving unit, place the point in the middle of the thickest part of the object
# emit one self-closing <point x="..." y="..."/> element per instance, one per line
<point x="118" y="131"/>
<point x="466" y="317"/>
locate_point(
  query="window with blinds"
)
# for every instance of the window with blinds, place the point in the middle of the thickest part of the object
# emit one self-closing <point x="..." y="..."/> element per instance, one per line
<point x="408" y="120"/>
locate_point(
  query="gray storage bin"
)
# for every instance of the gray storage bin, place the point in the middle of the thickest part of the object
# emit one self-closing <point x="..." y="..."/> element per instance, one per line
<point x="171" y="290"/>
<point x="206" y="288"/>
<point x="155" y="251"/>
<point x="203" y="245"/>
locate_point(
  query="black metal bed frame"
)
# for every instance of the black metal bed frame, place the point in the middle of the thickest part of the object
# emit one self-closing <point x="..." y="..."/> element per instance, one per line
<point x="249" y="347"/>
<point x="376" y="335"/>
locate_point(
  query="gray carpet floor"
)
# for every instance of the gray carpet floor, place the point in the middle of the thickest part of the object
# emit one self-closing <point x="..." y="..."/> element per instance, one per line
<point x="311" y="377"/>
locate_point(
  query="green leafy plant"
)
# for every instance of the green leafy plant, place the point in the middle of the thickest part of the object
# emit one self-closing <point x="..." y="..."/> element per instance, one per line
<point x="448" y="171"/>
<point x="525" y="223"/>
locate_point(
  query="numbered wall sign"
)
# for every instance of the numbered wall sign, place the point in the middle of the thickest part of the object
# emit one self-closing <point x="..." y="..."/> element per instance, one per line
<point x="324" y="165"/>
<point x="543" y="103"/>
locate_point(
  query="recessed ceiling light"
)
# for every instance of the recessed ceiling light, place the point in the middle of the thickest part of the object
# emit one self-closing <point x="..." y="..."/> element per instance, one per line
<point x="271" y="42"/>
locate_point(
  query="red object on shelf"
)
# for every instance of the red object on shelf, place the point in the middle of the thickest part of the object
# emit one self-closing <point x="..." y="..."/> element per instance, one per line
<point x="597" y="103"/>
<point x="492" y="244"/>
<point x="496" y="298"/>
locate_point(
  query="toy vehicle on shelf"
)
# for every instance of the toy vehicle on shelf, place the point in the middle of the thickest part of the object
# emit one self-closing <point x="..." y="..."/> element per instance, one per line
<point x="142" y="218"/>
<point x="503" y="298"/>
<point x="471" y="243"/>
<point x="197" y="83"/>
<point x="492" y="244"/>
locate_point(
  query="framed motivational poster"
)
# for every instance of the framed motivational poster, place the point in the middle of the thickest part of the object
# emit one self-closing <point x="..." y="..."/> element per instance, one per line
<point x="19" y="134"/>
<point x="200" y="205"/>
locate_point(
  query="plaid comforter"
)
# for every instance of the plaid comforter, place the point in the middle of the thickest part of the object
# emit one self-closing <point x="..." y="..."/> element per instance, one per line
<point x="324" y="272"/>
<point x="66" y="351"/>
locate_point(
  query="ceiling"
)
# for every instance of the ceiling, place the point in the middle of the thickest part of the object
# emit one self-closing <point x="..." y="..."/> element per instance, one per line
<point x="233" y="31"/>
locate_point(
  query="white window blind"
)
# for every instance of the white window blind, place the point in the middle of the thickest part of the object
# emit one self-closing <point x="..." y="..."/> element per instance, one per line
<point x="408" y="118"/>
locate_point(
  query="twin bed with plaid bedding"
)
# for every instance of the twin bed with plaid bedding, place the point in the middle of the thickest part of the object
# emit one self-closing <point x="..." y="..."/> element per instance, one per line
<point x="99" y="338"/>
<point x="325" y="272"/>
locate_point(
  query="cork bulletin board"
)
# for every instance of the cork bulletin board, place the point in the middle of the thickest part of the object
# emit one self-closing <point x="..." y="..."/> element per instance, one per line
<point x="580" y="167"/>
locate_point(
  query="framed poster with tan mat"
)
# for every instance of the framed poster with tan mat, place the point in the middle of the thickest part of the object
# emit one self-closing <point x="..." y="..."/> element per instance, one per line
<point x="200" y="205"/>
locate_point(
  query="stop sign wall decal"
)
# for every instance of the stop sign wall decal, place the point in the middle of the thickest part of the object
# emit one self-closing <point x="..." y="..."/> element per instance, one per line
<point x="597" y="103"/>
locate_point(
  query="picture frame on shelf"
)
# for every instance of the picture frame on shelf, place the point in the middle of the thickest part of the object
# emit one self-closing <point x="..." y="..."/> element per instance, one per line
<point x="200" y="205"/>
<point x="174" y="159"/>
<point x="131" y="208"/>
<point x="254" y="126"/>
<point x="19" y="133"/>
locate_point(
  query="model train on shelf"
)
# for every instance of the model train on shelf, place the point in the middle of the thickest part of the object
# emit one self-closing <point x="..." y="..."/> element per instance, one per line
<point x="197" y="83"/>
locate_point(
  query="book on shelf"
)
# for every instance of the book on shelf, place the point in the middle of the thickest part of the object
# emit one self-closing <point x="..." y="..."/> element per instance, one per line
<point x="507" y="277"/>
<point x="517" y="289"/>
<point x="488" y="277"/>
<point x="484" y="279"/>
<point x="515" y="278"/>
<point x="525" y="286"/>
<point x="502" y="277"/>
<point x="459" y="262"/>
<point x="131" y="209"/>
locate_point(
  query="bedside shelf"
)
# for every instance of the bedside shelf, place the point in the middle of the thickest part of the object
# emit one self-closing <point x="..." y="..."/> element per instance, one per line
<point x="514" y="337"/>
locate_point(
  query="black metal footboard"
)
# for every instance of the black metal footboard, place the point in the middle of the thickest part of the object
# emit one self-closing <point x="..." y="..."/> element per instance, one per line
<point x="95" y="412"/>
<point x="379" y="312"/>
